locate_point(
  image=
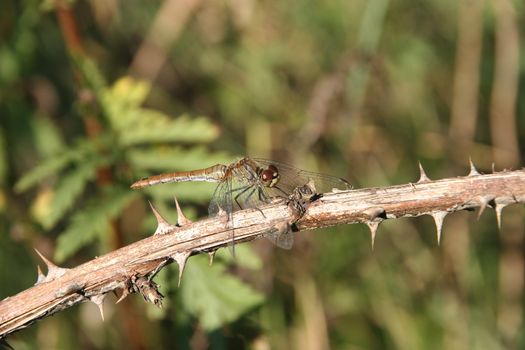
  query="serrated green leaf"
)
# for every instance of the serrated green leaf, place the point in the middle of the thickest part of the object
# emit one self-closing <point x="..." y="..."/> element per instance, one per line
<point x="154" y="126"/>
<point x="49" y="167"/>
<point x="132" y="92"/>
<point x="48" y="140"/>
<point x="69" y="188"/>
<point x="175" y="158"/>
<point x="90" y="72"/>
<point x="91" y="222"/>
<point x="206" y="293"/>
<point x="122" y="102"/>
<point x="54" y="164"/>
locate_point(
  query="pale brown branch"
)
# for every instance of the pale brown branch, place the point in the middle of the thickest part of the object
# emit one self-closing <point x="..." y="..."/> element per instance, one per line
<point x="504" y="95"/>
<point x="465" y="93"/>
<point x="131" y="268"/>
<point x="169" y="22"/>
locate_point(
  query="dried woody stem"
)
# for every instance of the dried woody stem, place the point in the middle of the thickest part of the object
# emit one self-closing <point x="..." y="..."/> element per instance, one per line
<point x="131" y="268"/>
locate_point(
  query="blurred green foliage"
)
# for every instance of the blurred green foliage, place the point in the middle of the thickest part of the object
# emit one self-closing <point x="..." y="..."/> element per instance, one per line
<point x="358" y="89"/>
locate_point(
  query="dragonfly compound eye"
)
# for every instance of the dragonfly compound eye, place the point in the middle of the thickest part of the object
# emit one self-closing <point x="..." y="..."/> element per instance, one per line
<point x="270" y="175"/>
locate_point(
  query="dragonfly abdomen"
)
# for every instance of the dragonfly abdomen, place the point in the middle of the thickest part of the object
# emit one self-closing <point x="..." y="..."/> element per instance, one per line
<point x="212" y="174"/>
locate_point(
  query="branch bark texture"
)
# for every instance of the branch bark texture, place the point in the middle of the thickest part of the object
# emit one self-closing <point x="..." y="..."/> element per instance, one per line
<point x="131" y="268"/>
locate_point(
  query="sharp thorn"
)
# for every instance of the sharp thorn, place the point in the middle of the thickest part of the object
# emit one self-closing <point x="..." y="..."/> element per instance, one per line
<point x="438" y="217"/>
<point x="482" y="208"/>
<point x="422" y="175"/>
<point x="40" y="276"/>
<point x="499" y="208"/>
<point x="159" y="217"/>
<point x="48" y="262"/>
<point x="163" y="226"/>
<point x="99" y="301"/>
<point x="101" y="309"/>
<point x="473" y="170"/>
<point x="181" y="259"/>
<point x="53" y="271"/>
<point x="483" y="203"/>
<point x="157" y="269"/>
<point x="182" y="220"/>
<point x="124" y="292"/>
<point x="211" y="256"/>
<point x="373" y="225"/>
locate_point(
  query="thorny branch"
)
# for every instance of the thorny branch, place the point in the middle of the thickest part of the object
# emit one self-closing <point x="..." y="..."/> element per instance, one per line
<point x="131" y="268"/>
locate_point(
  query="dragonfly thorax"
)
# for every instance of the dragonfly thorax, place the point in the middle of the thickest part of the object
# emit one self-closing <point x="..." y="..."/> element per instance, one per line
<point x="269" y="176"/>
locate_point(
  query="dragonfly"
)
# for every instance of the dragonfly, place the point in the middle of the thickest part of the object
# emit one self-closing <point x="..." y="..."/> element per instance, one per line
<point x="252" y="182"/>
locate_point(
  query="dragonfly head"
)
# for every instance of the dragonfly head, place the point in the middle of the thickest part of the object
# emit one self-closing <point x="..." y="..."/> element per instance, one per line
<point x="270" y="176"/>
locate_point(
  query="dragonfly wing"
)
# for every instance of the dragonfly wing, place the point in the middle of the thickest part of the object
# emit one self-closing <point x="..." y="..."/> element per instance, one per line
<point x="221" y="199"/>
<point x="283" y="240"/>
<point x="291" y="178"/>
<point x="247" y="194"/>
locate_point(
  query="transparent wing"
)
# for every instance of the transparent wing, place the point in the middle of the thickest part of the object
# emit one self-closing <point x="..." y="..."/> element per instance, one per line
<point x="241" y="190"/>
<point x="236" y="194"/>
<point x="251" y="196"/>
<point x="292" y="178"/>
<point x="283" y="240"/>
<point x="221" y="199"/>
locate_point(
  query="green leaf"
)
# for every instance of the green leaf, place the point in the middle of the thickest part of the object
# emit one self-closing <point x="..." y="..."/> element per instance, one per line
<point x="154" y="126"/>
<point x="206" y="293"/>
<point x="3" y="158"/>
<point x="136" y="125"/>
<point x="48" y="140"/>
<point x="9" y="66"/>
<point x="90" y="72"/>
<point x="91" y="222"/>
<point x="47" y="168"/>
<point x="122" y="102"/>
<point x="54" y="164"/>
<point x="69" y="188"/>
<point x="129" y="91"/>
<point x="244" y="257"/>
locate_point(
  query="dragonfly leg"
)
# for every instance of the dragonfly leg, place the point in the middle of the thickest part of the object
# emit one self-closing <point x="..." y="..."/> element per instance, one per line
<point x="284" y="193"/>
<point x="262" y="197"/>
<point x="242" y="188"/>
<point x="242" y="191"/>
<point x="259" y="191"/>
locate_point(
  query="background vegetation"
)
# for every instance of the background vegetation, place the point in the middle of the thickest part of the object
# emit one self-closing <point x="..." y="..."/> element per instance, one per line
<point x="94" y="95"/>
